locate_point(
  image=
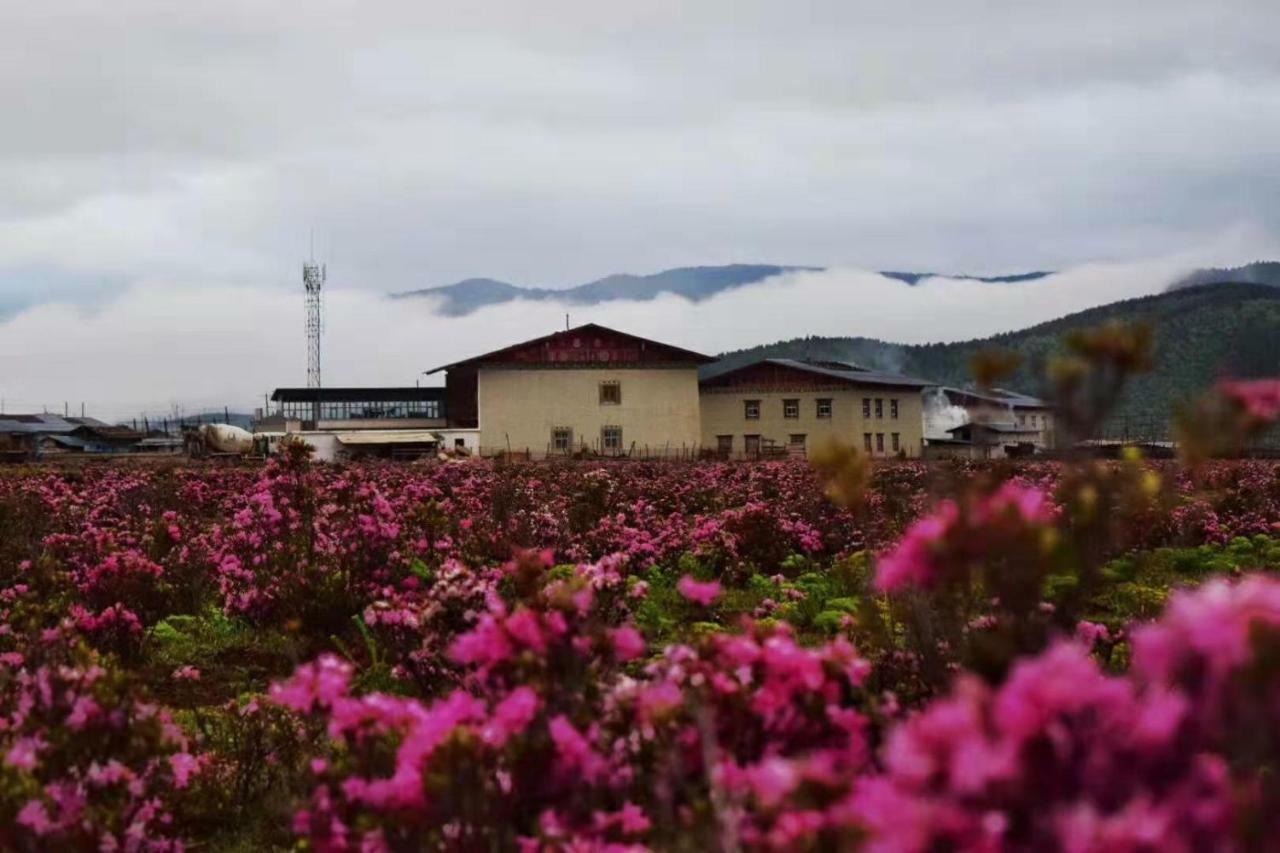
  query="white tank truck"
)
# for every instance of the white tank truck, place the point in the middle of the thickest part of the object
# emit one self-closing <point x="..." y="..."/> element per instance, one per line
<point x="223" y="440"/>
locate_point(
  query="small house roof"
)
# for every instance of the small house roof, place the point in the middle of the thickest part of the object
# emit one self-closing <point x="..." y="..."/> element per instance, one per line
<point x="1000" y="427"/>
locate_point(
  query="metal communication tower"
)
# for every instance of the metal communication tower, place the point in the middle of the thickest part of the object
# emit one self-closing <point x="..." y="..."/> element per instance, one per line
<point x="313" y="277"/>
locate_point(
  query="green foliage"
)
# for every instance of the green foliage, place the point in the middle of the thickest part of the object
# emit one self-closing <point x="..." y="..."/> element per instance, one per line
<point x="231" y="655"/>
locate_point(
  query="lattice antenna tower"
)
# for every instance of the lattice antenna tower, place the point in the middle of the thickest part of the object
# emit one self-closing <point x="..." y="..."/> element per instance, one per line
<point x="313" y="278"/>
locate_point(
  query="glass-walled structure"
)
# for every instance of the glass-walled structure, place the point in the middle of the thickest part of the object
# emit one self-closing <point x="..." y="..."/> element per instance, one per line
<point x="343" y="404"/>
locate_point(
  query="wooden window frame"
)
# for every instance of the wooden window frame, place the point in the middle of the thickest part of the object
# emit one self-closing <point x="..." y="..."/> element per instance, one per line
<point x="747" y="406"/>
<point x="791" y="409"/>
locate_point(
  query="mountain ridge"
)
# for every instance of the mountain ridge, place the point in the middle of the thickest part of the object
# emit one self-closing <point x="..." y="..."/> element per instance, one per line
<point x="693" y="283"/>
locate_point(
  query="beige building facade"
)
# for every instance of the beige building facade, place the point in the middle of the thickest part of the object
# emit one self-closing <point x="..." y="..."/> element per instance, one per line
<point x="788" y="407"/>
<point x="604" y="410"/>
<point x="590" y="390"/>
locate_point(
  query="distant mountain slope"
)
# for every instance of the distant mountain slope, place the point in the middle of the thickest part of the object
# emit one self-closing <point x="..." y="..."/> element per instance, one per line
<point x="694" y="283"/>
<point x="1258" y="272"/>
<point x="1202" y="332"/>
<point x="917" y="277"/>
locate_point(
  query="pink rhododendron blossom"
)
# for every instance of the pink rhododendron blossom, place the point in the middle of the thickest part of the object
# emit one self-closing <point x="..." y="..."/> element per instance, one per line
<point x="186" y="673"/>
<point x="1260" y="398"/>
<point x="911" y="561"/>
<point x="511" y="716"/>
<point x="699" y="592"/>
<point x="628" y="644"/>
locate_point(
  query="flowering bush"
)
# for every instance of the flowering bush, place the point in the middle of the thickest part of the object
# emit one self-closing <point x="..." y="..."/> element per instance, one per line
<point x="641" y="655"/>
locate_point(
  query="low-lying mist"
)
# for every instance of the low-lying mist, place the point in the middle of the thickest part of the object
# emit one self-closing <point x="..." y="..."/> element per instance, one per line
<point x="157" y="346"/>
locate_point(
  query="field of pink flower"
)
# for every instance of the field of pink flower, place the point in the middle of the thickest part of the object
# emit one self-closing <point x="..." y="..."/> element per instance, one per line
<point x="584" y="657"/>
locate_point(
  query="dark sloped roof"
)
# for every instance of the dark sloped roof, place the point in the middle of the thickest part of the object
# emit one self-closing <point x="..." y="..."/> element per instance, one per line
<point x="409" y="394"/>
<point x="852" y="374"/>
<point x="677" y="353"/>
<point x="34" y="424"/>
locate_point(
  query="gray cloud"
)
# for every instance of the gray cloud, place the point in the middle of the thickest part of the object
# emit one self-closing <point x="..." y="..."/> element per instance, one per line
<point x="552" y="143"/>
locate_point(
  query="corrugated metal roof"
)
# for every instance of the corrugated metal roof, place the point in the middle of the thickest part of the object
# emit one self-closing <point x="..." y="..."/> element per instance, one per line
<point x="855" y="375"/>
<point x="1000" y="396"/>
<point x="35" y="424"/>
<point x="388" y="436"/>
<point x="851" y="374"/>
<point x="409" y="394"/>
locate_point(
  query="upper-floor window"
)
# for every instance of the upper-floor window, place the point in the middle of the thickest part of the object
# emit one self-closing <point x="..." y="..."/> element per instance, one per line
<point x="791" y="409"/>
<point x="824" y="407"/>
<point x="751" y="410"/>
<point x="610" y="393"/>
<point x="893" y="408"/>
<point x="879" y="408"/>
<point x="866" y="408"/>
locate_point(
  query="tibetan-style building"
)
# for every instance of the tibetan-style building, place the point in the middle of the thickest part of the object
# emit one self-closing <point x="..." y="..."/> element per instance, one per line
<point x="787" y="406"/>
<point x="589" y="388"/>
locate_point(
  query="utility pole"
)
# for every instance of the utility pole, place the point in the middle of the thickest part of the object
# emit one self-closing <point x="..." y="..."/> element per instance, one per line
<point x="313" y="279"/>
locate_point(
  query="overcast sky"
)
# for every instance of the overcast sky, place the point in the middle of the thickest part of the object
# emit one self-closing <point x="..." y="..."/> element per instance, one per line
<point x="173" y="152"/>
<point x="550" y="143"/>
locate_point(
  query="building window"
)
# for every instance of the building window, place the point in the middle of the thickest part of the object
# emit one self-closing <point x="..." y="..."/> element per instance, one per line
<point x="460" y="442"/>
<point x="866" y="408"/>
<point x="724" y="446"/>
<point x="879" y="409"/>
<point x="611" y="439"/>
<point x="751" y="445"/>
<point x="791" y="409"/>
<point x="610" y="393"/>
<point x="893" y="442"/>
<point x="1022" y="420"/>
<point x="879" y="442"/>
<point x="824" y="407"/>
<point x="751" y="410"/>
<point x="893" y="408"/>
<point x="866" y="441"/>
<point x="797" y="440"/>
<point x="562" y="439"/>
